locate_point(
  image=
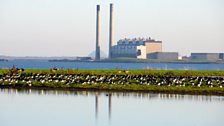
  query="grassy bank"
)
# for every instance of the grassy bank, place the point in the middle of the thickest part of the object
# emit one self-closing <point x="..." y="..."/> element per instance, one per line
<point x="163" y="81"/>
<point x="123" y="72"/>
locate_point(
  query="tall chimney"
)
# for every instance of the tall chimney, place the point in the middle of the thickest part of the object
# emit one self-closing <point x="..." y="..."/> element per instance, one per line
<point x="111" y="31"/>
<point x="97" y="56"/>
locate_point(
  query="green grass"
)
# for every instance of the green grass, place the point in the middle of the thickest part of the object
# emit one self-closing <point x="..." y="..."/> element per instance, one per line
<point x="129" y="87"/>
<point x="122" y="72"/>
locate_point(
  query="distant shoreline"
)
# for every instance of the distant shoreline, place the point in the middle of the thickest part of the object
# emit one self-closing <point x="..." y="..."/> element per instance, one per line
<point x="105" y="60"/>
<point x="3" y="60"/>
<point x="139" y="61"/>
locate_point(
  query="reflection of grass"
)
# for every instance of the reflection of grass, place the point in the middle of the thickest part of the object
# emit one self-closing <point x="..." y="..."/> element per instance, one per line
<point x="154" y="88"/>
<point x="129" y="87"/>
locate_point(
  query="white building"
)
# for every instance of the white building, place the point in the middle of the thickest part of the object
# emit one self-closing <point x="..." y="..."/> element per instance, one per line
<point x="136" y="48"/>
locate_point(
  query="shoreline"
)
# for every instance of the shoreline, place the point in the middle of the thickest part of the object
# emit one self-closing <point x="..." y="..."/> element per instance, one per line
<point x="196" y="91"/>
<point x="139" y="61"/>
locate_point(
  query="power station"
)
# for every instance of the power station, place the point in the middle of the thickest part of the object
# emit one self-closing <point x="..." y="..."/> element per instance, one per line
<point x="140" y="48"/>
<point x="133" y="48"/>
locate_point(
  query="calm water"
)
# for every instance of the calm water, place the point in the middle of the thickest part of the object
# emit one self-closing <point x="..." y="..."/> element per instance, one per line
<point x="83" y="108"/>
<point x="43" y="64"/>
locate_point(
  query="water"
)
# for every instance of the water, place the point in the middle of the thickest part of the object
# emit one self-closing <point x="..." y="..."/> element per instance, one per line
<point x="43" y="64"/>
<point x="88" y="108"/>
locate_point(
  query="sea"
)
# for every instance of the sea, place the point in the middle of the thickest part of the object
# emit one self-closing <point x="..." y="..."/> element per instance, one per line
<point x="45" y="64"/>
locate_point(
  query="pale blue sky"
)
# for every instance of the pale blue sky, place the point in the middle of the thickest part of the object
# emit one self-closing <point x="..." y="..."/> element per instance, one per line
<point x="67" y="27"/>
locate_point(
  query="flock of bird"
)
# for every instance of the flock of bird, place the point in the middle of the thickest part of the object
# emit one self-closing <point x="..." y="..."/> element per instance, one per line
<point x="69" y="79"/>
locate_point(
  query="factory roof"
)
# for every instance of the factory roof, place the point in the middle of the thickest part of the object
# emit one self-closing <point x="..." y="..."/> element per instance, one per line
<point x="137" y="41"/>
<point x="204" y="53"/>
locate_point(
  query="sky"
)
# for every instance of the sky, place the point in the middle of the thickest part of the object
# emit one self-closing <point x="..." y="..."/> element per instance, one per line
<point x="67" y="27"/>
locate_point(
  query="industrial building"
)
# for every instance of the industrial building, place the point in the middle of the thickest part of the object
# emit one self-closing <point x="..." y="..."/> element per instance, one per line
<point x="207" y="56"/>
<point x="129" y="48"/>
<point x="142" y="48"/>
<point x="163" y="55"/>
<point x="135" y="48"/>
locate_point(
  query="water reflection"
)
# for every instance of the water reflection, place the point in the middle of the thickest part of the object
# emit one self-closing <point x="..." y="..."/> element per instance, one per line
<point x="97" y="94"/>
<point x="96" y="105"/>
<point x="111" y="105"/>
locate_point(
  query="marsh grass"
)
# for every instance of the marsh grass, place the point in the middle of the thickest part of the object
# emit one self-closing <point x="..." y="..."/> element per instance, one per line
<point x="123" y="72"/>
<point x="124" y="87"/>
